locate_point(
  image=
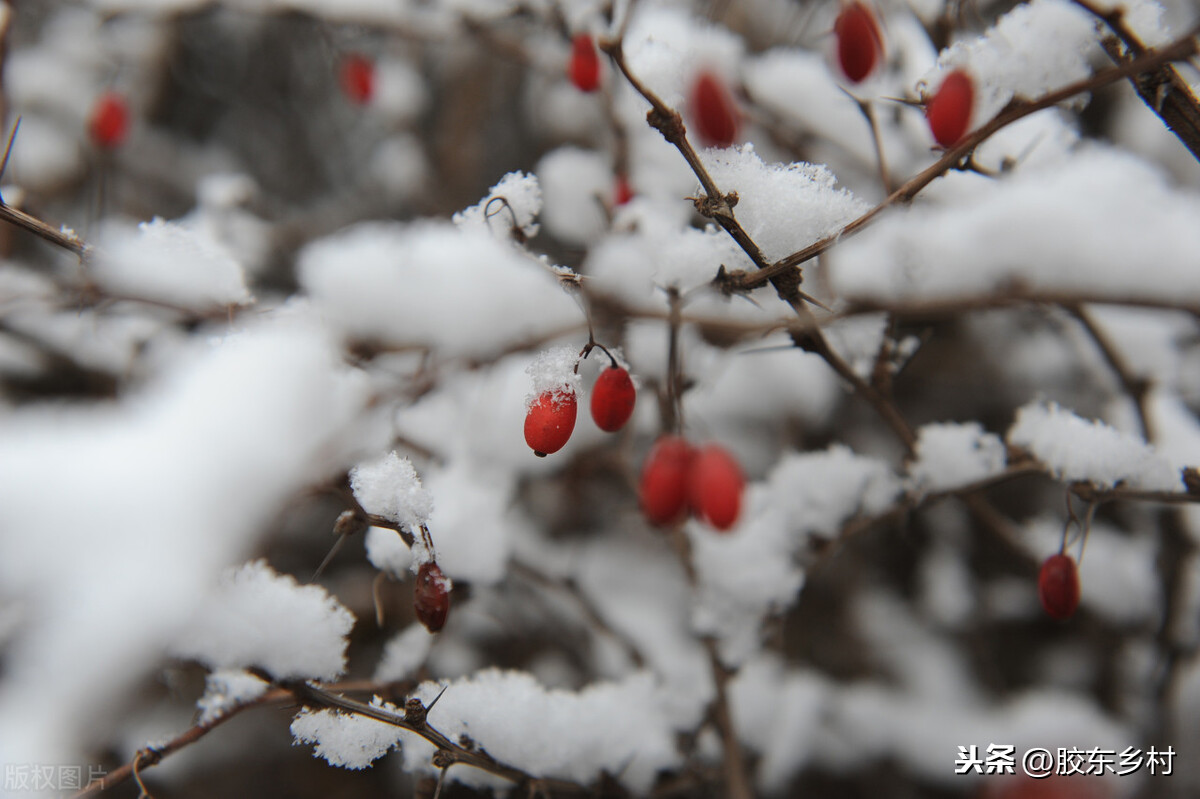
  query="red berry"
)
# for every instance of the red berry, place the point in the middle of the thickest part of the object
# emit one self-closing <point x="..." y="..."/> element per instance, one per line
<point x="715" y="486"/>
<point x="584" y="67"/>
<point x="663" y="489"/>
<point x="622" y="192"/>
<point x="949" y="110"/>
<point x="612" y="399"/>
<point x="356" y="75"/>
<point x="1058" y="586"/>
<point x="549" y="422"/>
<point x="108" y="123"/>
<point x="431" y="597"/>
<point x="713" y="111"/>
<point x="859" y="41"/>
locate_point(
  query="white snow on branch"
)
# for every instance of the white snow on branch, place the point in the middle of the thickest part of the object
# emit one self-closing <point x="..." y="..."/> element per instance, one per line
<point x="1033" y="49"/>
<point x="819" y="491"/>
<point x="404" y="653"/>
<point x="616" y="727"/>
<point x="349" y="740"/>
<point x="514" y="202"/>
<point x="950" y="455"/>
<point x="1075" y="449"/>
<point x="458" y="290"/>
<point x="258" y="617"/>
<point x="225" y="690"/>
<point x="784" y="207"/>
<point x="167" y="262"/>
<point x="744" y="575"/>
<point x="184" y="474"/>
<point x="1100" y="221"/>
<point x="389" y="487"/>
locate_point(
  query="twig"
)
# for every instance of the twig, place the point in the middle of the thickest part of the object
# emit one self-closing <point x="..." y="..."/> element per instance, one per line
<point x="1138" y="388"/>
<point x="1177" y="50"/>
<point x="60" y="238"/>
<point x="719" y="207"/>
<point x="1163" y="90"/>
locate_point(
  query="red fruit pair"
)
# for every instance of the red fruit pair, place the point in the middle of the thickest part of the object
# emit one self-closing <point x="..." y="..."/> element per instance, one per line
<point x="677" y="478"/>
<point x="1058" y="586"/>
<point x="108" y="123"/>
<point x="713" y="111"/>
<point x="949" y="109"/>
<point x="356" y="76"/>
<point x="584" y="66"/>
<point x="859" y="41"/>
<point x="431" y="597"/>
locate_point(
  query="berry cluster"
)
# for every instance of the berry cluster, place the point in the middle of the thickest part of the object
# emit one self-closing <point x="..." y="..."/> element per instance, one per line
<point x="678" y="478"/>
<point x="550" y="419"/>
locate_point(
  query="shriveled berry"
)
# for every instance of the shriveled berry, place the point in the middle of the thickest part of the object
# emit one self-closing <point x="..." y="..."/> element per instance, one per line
<point x="108" y="123"/>
<point x="1058" y="586"/>
<point x="663" y="489"/>
<point x="431" y="597"/>
<point x="584" y="68"/>
<point x="713" y="111"/>
<point x="859" y="41"/>
<point x="356" y="75"/>
<point x="549" y="422"/>
<point x="715" y="486"/>
<point x="949" y="110"/>
<point x="613" y="398"/>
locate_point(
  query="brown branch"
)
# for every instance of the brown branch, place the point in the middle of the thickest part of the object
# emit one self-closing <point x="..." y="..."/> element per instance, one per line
<point x="60" y="238"/>
<point x="1180" y="49"/>
<point x="1138" y="388"/>
<point x="1163" y="90"/>
<point x="719" y="207"/>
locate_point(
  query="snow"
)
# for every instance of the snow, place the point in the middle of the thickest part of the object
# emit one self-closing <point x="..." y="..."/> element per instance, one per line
<point x="784" y="207"/>
<point x="348" y="740"/>
<point x="404" y="654"/>
<point x="554" y="371"/>
<point x="1102" y="219"/>
<point x="225" y="690"/>
<point x="1074" y="449"/>
<point x="819" y="491"/>
<point x="950" y="455"/>
<point x="432" y="284"/>
<point x="167" y="262"/>
<point x="387" y="552"/>
<point x="577" y="184"/>
<point x="514" y="202"/>
<point x="145" y="475"/>
<point x="388" y="486"/>
<point x="614" y="727"/>
<point x="260" y="618"/>
<point x="1033" y="49"/>
<point x="743" y="575"/>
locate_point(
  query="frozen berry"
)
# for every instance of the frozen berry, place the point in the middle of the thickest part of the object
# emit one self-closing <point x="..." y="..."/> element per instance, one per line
<point x="356" y="75"/>
<point x="859" y="41"/>
<point x="1058" y="586"/>
<point x="108" y="124"/>
<point x="715" y="486"/>
<point x="549" y="422"/>
<point x="949" y="110"/>
<point x="713" y="111"/>
<point x="431" y="597"/>
<point x="584" y="68"/>
<point x="613" y="397"/>
<point x="663" y="488"/>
